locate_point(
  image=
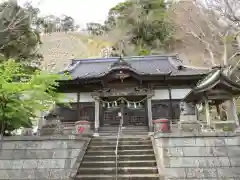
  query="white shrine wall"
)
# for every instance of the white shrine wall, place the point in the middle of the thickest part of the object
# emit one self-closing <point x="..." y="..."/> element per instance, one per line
<point x="163" y="94"/>
<point x="72" y="97"/>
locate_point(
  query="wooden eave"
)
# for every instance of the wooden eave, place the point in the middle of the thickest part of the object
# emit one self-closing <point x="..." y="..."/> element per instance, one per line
<point x="143" y="77"/>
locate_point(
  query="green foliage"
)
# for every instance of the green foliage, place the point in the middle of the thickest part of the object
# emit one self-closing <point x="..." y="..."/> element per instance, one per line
<point x="143" y="52"/>
<point x="95" y="29"/>
<point x="22" y="95"/>
<point x="19" y="39"/>
<point x="53" y="23"/>
<point x="144" y="21"/>
<point x="68" y="23"/>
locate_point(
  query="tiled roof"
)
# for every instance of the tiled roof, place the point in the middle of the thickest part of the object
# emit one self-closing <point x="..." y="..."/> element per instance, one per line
<point x="143" y="65"/>
<point x="216" y="78"/>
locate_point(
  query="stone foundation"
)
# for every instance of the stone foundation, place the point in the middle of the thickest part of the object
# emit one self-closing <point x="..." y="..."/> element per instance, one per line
<point x="198" y="156"/>
<point x="38" y="158"/>
<point x="189" y="123"/>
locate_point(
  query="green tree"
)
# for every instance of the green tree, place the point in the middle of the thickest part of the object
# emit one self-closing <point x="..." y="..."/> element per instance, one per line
<point x="95" y="29"/>
<point x="22" y="95"/>
<point x="68" y="23"/>
<point x="19" y="39"/>
<point x="144" y="24"/>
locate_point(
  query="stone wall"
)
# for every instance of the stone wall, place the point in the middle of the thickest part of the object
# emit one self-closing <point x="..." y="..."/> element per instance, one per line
<point x="199" y="156"/>
<point x="40" y="157"/>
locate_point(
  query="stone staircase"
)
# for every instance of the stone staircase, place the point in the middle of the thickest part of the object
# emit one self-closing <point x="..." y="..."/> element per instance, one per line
<point x="129" y="130"/>
<point x="136" y="159"/>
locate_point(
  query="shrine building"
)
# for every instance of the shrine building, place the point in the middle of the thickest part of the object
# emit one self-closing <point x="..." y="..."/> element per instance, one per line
<point x="145" y="87"/>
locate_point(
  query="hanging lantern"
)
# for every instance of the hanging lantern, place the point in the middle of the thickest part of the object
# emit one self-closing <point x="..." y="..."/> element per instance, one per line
<point x="128" y="105"/>
<point x="115" y="103"/>
<point x="103" y="104"/>
<point x="108" y="105"/>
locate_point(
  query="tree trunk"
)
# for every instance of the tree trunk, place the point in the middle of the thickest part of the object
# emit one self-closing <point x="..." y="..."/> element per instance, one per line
<point x="2" y="129"/>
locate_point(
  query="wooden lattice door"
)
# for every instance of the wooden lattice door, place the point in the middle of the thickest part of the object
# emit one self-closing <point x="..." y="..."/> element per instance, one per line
<point x="110" y="117"/>
<point x="134" y="117"/>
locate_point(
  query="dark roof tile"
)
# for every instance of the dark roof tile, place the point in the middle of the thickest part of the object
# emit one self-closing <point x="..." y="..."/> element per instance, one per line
<point x="144" y="65"/>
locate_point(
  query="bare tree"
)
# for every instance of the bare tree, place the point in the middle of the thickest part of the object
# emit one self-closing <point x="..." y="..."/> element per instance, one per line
<point x="213" y="25"/>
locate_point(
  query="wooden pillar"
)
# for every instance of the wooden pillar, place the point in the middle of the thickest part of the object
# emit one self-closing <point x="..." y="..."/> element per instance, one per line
<point x="149" y="109"/>
<point x="171" y="104"/>
<point x="96" y="122"/>
<point x="78" y="107"/>
<point x="207" y="112"/>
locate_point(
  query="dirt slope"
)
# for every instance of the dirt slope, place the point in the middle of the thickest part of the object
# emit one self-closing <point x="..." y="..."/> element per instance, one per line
<point x="58" y="48"/>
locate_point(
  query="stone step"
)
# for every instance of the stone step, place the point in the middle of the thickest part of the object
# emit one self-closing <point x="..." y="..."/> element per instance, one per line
<point x="120" y="177"/>
<point x="139" y="163"/>
<point x="121" y="152"/>
<point x="143" y="142"/>
<point x="121" y="170"/>
<point x="135" y="130"/>
<point x="123" y="127"/>
<point x="121" y="138"/>
<point x="122" y="147"/>
<point x="123" y="133"/>
<point x="134" y="157"/>
<point x="123" y="130"/>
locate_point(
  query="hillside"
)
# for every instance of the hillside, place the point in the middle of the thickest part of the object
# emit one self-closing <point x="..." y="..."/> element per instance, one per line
<point x="58" y="48"/>
<point x="188" y="47"/>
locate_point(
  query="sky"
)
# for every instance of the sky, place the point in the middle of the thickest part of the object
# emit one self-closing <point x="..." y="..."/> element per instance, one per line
<point x="83" y="11"/>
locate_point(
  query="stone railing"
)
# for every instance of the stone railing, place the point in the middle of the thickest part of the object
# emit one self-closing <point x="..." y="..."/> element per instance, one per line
<point x="67" y="128"/>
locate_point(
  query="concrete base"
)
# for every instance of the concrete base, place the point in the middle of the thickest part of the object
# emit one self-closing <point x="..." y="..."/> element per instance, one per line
<point x="237" y="130"/>
<point x="189" y="125"/>
<point x="188" y="117"/>
<point x="95" y="134"/>
<point x="207" y="130"/>
<point x="150" y="133"/>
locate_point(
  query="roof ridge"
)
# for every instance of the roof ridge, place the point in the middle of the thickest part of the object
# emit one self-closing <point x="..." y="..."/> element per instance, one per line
<point x="126" y="58"/>
<point x="197" y="67"/>
<point x="175" y="62"/>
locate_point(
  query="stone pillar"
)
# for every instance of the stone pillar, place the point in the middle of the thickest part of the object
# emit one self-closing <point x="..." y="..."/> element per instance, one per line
<point x="218" y="110"/>
<point x="149" y="108"/>
<point x="96" y="122"/>
<point x="188" y="117"/>
<point x="232" y="111"/>
<point x="42" y="121"/>
<point x="207" y="112"/>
